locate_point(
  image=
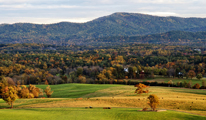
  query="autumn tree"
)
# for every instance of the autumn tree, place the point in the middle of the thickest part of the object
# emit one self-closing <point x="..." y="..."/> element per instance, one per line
<point x="9" y="95"/>
<point x="23" y="92"/>
<point x="153" y="101"/>
<point x="81" y="79"/>
<point x="48" y="91"/>
<point x="29" y="92"/>
<point x="196" y="86"/>
<point x="5" y="82"/>
<point x="141" y="88"/>
<point x="35" y="91"/>
<point x="191" y="74"/>
<point x="101" y="76"/>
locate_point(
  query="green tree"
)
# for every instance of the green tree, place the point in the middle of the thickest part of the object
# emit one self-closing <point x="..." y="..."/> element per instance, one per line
<point x="153" y="101"/>
<point x="79" y="71"/>
<point x="163" y="71"/>
<point x="199" y="76"/>
<point x="156" y="71"/>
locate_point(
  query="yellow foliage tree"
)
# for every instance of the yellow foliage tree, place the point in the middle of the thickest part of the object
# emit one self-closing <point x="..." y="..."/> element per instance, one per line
<point x="9" y="95"/>
<point x="48" y="91"/>
<point x="153" y="101"/>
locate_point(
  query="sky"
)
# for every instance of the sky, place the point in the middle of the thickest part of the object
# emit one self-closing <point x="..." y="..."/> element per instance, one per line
<point x="80" y="11"/>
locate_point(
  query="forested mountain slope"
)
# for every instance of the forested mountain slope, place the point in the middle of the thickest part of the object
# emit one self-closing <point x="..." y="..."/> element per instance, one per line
<point x="117" y="24"/>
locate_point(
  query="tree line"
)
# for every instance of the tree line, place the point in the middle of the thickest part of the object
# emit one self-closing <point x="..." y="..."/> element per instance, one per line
<point x="100" y="64"/>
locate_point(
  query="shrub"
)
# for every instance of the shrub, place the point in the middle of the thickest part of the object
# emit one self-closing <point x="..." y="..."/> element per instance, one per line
<point x="60" y="82"/>
<point x="144" y="109"/>
<point x="196" y="86"/>
<point x="202" y="87"/>
<point x="170" y="82"/>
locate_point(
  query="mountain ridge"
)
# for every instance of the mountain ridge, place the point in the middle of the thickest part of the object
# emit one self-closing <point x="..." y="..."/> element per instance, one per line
<point x="116" y="24"/>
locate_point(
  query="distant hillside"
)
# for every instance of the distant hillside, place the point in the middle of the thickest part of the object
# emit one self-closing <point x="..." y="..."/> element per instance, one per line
<point x="196" y="29"/>
<point x="117" y="24"/>
<point x="171" y="37"/>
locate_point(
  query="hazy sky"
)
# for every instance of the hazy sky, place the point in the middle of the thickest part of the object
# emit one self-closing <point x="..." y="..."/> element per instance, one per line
<point x="53" y="11"/>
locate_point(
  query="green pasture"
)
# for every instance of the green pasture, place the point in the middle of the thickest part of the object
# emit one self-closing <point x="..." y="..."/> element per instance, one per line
<point x="59" y="106"/>
<point x="92" y="114"/>
<point x="86" y="90"/>
<point x="75" y="90"/>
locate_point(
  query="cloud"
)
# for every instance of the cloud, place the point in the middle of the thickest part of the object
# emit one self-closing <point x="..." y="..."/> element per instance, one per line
<point x="40" y="20"/>
<point x="163" y="1"/>
<point x="30" y="6"/>
<point x="19" y="1"/>
<point x="161" y="13"/>
<point x="48" y="11"/>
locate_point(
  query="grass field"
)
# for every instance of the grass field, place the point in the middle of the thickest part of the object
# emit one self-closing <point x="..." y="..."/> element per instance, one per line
<point x="93" y="114"/>
<point x="74" y="90"/>
<point x="65" y="96"/>
<point x="174" y="80"/>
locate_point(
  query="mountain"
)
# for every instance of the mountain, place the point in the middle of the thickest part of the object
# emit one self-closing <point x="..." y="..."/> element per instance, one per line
<point x="171" y="37"/>
<point x="117" y="24"/>
<point x="196" y="29"/>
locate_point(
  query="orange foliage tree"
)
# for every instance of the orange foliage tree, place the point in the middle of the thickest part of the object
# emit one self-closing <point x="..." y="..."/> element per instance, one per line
<point x="141" y="88"/>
